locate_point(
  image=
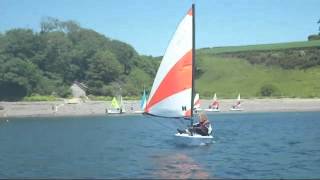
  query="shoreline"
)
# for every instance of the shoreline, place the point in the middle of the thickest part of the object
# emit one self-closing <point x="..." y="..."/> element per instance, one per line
<point x="98" y="108"/>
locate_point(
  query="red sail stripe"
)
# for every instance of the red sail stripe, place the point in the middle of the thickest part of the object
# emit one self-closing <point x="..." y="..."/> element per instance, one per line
<point x="190" y="12"/>
<point x="187" y="113"/>
<point x="177" y="80"/>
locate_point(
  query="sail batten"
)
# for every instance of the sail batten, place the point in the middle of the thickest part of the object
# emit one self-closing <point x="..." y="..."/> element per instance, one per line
<point x="171" y="92"/>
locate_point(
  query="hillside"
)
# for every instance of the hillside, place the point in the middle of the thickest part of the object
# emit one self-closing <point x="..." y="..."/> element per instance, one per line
<point x="281" y="70"/>
<point x="261" y="47"/>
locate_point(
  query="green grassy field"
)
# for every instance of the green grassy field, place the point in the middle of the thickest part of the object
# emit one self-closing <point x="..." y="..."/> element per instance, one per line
<point x="228" y="77"/>
<point x="276" y="46"/>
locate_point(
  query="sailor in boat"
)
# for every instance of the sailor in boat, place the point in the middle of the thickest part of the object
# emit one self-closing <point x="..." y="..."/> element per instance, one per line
<point x="236" y="106"/>
<point x="215" y="105"/>
<point x="203" y="127"/>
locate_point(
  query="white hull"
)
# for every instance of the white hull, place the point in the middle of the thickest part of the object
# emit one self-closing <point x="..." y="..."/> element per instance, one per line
<point x="114" y="112"/>
<point x="236" y="109"/>
<point x="212" y="110"/>
<point x="197" y="110"/>
<point x="138" y="112"/>
<point x="196" y="139"/>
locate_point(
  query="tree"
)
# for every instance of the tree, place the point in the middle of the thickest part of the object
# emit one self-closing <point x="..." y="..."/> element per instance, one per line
<point x="269" y="90"/>
<point x="49" y="24"/>
<point x="18" y="78"/>
<point x="103" y="67"/>
<point x="20" y="43"/>
<point x="55" y="54"/>
<point x="125" y="54"/>
<point x="148" y="64"/>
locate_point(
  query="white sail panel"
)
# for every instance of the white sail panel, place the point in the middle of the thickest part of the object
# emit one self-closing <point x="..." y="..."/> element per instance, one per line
<point x="172" y="106"/>
<point x="196" y="101"/>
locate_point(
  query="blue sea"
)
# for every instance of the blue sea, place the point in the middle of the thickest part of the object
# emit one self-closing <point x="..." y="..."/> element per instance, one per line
<point x="245" y="145"/>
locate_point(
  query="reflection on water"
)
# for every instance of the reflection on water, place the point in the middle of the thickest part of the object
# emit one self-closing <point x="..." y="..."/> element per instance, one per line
<point x="178" y="166"/>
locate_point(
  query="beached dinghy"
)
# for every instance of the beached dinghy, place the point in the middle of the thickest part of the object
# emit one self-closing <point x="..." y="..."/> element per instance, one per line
<point x="116" y="108"/>
<point x="172" y="93"/>
<point x="237" y="106"/>
<point x="196" y="103"/>
<point x="143" y="103"/>
<point x="214" y="106"/>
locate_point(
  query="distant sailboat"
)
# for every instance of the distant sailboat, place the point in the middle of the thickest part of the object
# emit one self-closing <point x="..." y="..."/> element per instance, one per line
<point x="116" y="108"/>
<point x="196" y="102"/>
<point x="122" y="107"/>
<point x="143" y="102"/>
<point x="172" y="92"/>
<point x="214" y="106"/>
<point x="237" y="105"/>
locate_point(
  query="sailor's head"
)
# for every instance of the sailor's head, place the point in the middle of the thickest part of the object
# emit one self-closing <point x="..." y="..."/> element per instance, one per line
<point x="203" y="117"/>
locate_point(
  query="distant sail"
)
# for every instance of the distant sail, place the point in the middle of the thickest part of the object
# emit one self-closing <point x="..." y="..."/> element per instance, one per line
<point x="171" y="91"/>
<point x="196" y="101"/>
<point x="143" y="100"/>
<point x="238" y="100"/>
<point x="215" y="102"/>
<point x="114" y="103"/>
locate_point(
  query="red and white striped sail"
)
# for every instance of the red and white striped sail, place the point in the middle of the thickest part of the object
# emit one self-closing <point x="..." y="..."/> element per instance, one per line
<point x="215" y="102"/>
<point x="196" y="101"/>
<point x="171" y="91"/>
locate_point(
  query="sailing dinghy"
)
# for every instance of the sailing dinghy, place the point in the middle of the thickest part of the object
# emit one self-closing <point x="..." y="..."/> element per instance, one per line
<point x="196" y="103"/>
<point x="172" y="92"/>
<point x="143" y="102"/>
<point x="214" y="106"/>
<point x="116" y="108"/>
<point x="237" y="106"/>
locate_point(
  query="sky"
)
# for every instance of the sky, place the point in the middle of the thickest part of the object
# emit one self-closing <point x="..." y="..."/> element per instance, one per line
<point x="148" y="25"/>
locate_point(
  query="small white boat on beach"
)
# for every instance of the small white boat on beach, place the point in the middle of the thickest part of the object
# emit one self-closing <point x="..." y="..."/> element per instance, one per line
<point x="196" y="103"/>
<point x="143" y="103"/>
<point x="214" y="106"/>
<point x="116" y="108"/>
<point x="237" y="106"/>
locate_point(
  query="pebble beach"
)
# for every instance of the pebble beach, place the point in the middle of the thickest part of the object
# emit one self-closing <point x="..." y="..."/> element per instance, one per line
<point x="90" y="108"/>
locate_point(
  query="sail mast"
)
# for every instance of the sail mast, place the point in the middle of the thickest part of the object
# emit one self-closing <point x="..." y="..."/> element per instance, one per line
<point x="193" y="60"/>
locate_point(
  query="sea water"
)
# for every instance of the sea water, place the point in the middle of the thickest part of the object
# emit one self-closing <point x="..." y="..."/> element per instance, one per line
<point x="246" y="145"/>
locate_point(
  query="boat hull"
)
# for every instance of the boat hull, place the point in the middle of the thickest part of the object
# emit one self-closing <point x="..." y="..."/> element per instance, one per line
<point x="138" y="112"/>
<point x="212" y="110"/>
<point x="196" y="139"/>
<point x="236" y="109"/>
<point x="114" y="112"/>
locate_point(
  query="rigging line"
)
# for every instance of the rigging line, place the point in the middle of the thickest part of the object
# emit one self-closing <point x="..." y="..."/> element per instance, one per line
<point x="162" y="124"/>
<point x="182" y="122"/>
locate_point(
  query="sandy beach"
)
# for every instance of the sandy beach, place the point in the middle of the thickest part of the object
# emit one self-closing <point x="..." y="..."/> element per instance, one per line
<point x="89" y="108"/>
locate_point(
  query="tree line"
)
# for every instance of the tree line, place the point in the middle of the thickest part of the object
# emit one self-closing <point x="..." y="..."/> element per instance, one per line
<point x="49" y="61"/>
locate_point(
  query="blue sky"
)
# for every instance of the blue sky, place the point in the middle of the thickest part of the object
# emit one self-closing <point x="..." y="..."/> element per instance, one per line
<point x="149" y="24"/>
